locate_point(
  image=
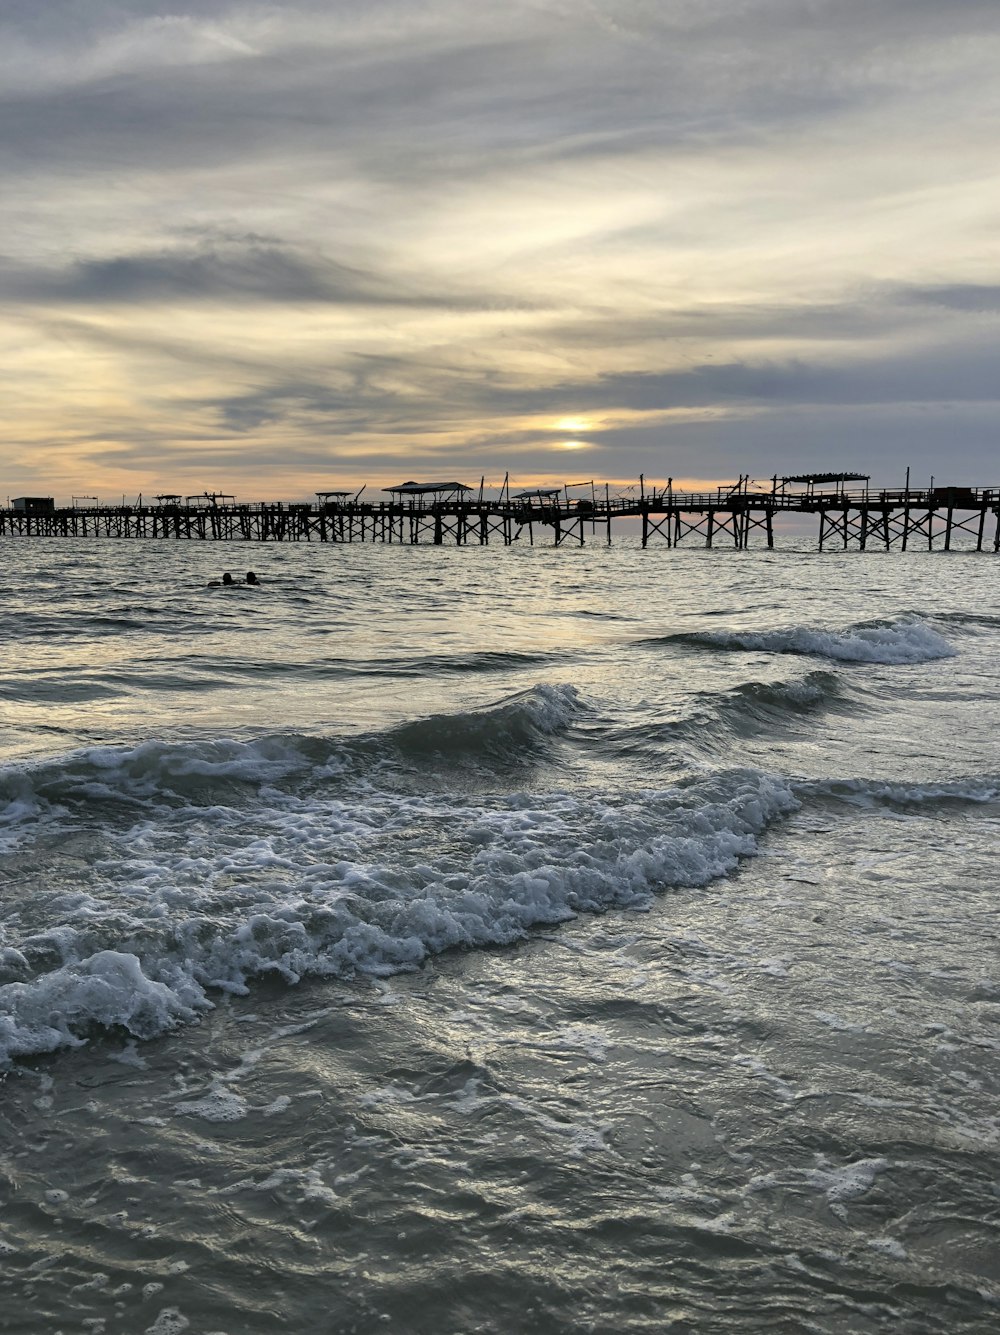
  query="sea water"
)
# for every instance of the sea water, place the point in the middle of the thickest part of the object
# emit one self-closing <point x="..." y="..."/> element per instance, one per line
<point x="453" y="940"/>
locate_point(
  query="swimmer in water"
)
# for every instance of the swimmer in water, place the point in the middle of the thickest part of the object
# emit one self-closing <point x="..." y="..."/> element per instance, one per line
<point x="226" y="582"/>
<point x="252" y="578"/>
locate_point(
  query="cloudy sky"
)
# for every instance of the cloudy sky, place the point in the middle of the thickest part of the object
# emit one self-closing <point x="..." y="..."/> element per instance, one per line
<point x="271" y="249"/>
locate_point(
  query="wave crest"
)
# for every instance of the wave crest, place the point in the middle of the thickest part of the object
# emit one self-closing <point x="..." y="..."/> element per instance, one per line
<point x="227" y="769"/>
<point x="521" y="722"/>
<point x="890" y="642"/>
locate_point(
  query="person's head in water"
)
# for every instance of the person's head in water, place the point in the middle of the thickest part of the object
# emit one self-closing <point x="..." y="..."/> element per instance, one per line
<point x="227" y="578"/>
<point x="252" y="578"/>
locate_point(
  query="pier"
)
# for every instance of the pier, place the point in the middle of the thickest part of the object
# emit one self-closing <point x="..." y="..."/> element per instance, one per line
<point x="735" y="517"/>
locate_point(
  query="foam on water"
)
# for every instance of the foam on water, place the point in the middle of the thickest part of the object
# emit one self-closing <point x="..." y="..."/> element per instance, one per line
<point x="173" y="771"/>
<point x="840" y="1184"/>
<point x="335" y="885"/>
<point x="906" y="640"/>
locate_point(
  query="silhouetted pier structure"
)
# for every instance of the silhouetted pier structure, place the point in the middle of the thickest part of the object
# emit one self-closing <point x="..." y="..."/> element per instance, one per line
<point x="934" y="518"/>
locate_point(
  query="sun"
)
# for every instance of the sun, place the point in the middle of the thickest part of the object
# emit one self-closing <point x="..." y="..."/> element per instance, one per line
<point x="572" y="424"/>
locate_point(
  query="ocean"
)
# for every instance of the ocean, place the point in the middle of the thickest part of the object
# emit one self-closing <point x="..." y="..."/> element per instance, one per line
<point x="499" y="940"/>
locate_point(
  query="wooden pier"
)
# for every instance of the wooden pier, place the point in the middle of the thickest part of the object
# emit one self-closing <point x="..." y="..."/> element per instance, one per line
<point x="941" y="518"/>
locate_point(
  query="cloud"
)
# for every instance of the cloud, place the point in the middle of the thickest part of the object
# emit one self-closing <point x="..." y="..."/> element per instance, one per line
<point x="241" y="231"/>
<point x="247" y="270"/>
<point x="973" y="297"/>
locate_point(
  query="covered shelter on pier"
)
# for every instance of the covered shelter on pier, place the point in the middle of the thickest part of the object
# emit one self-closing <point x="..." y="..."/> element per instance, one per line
<point x="210" y="498"/>
<point x="437" y="491"/>
<point x="539" y="496"/>
<point x="813" y="480"/>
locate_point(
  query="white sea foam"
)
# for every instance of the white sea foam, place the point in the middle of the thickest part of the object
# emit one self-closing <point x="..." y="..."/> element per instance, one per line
<point x="305" y="1183"/>
<point x="109" y="988"/>
<point x="153" y="773"/>
<point x="904" y="641"/>
<point x="170" y="1321"/>
<point x="218" y="1105"/>
<point x="278" y="1105"/>
<point x="840" y="1184"/>
<point x="325" y="887"/>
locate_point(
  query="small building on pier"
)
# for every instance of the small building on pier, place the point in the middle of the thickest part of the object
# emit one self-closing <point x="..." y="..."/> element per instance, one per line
<point x="34" y="505"/>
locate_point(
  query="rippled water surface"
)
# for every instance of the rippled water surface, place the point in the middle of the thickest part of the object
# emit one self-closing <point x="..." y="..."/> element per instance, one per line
<point x="577" y="940"/>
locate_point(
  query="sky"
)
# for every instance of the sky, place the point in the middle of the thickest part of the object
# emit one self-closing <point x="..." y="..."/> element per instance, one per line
<point x="275" y="249"/>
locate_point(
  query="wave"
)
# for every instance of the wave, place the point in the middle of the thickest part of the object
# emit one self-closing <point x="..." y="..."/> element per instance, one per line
<point x="86" y="624"/>
<point x="962" y="618"/>
<point x="199" y="673"/>
<point x="434" y="665"/>
<point x="521" y="724"/>
<point x="335" y="888"/>
<point x="874" y="792"/>
<point x="153" y="771"/>
<point x="417" y="665"/>
<point x="892" y="642"/>
<point x="513" y="731"/>
<point x="745" y="711"/>
<point x="763" y="700"/>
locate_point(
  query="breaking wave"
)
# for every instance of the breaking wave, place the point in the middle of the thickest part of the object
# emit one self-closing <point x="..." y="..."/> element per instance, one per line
<point x="227" y="769"/>
<point x="891" y="642"/>
<point x="371" y="883"/>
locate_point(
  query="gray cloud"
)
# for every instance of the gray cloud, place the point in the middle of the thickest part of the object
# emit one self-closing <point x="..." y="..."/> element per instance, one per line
<point x="253" y="270"/>
<point x="446" y="94"/>
<point x="398" y="394"/>
<point x="973" y="297"/>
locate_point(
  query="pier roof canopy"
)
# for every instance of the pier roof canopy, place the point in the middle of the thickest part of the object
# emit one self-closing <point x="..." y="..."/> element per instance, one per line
<point x="533" y="492"/>
<point x="823" y="478"/>
<point x="425" y="488"/>
<point x="212" y="497"/>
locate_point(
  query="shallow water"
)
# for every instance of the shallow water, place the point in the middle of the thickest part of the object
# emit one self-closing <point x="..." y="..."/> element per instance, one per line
<point x="576" y="940"/>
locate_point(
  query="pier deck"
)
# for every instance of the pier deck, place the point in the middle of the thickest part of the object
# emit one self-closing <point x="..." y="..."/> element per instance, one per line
<point x="942" y="518"/>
